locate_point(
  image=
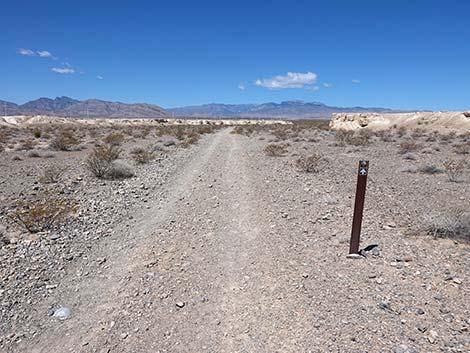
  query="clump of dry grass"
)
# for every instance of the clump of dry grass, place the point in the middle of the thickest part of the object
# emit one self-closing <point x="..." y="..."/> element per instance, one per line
<point x="42" y="213"/>
<point x="274" y="150"/>
<point x="455" y="169"/>
<point x="51" y="174"/>
<point x="456" y="226"/>
<point x="309" y="164"/>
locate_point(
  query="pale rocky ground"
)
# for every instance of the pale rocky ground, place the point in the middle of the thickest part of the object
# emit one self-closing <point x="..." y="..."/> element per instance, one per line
<point x="220" y="248"/>
<point x="27" y="121"/>
<point x="442" y="122"/>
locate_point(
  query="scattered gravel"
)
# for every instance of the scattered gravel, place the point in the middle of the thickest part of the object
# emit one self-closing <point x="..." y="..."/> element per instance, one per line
<point x="220" y="248"/>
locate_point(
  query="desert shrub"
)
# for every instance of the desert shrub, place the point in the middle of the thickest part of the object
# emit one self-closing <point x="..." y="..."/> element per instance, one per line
<point x="410" y="169"/>
<point x="3" y="136"/>
<point x="409" y="156"/>
<point x="406" y="147"/>
<point x="119" y="170"/>
<point x="33" y="154"/>
<point x="27" y="145"/>
<point x="179" y="132"/>
<point x="455" y="225"/>
<point x="93" y="132"/>
<point x="455" y="169"/>
<point x="431" y="138"/>
<point x="51" y="174"/>
<point x="42" y="213"/>
<point x="64" y="141"/>
<point x="342" y="137"/>
<point x="37" y="133"/>
<point x="427" y="150"/>
<point x="237" y="130"/>
<point x="274" y="150"/>
<point x="309" y="164"/>
<point x="385" y="135"/>
<point x="190" y="141"/>
<point x="142" y="155"/>
<point x="114" y="139"/>
<point x="311" y="124"/>
<point x="463" y="148"/>
<point x="141" y="132"/>
<point x="465" y="137"/>
<point x="100" y="161"/>
<point x="449" y="137"/>
<point x="430" y="169"/>
<point x="281" y="133"/>
<point x="418" y="132"/>
<point x="206" y="129"/>
<point x="246" y="130"/>
<point x="400" y="131"/>
<point x="346" y="137"/>
<point x="359" y="140"/>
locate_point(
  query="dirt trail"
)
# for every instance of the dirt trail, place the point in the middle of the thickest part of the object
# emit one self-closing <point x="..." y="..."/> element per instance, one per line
<point x="243" y="253"/>
<point x="204" y="246"/>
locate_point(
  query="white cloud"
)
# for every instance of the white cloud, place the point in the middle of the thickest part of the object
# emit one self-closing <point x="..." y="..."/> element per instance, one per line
<point x="63" y="70"/>
<point x="327" y="85"/>
<point x="241" y="86"/>
<point x="99" y="77"/>
<point x="356" y="81"/>
<point x="26" y="52"/>
<point x="312" y="88"/>
<point x="46" y="54"/>
<point x="290" y="80"/>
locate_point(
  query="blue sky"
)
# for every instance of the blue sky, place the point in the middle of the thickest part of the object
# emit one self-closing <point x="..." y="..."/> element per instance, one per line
<point x="412" y="54"/>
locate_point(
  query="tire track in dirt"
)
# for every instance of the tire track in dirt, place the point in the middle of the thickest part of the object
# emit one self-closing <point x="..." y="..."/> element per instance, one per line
<point x="208" y="270"/>
<point x="98" y="298"/>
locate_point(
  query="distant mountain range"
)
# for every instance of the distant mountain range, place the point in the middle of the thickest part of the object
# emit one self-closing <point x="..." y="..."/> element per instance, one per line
<point x="94" y="108"/>
<point x="289" y="109"/>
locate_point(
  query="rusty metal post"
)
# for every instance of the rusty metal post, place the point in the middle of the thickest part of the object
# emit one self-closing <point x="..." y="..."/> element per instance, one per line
<point x="362" y="173"/>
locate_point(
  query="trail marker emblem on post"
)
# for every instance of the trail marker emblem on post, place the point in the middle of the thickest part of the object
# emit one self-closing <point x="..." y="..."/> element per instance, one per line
<point x="363" y="171"/>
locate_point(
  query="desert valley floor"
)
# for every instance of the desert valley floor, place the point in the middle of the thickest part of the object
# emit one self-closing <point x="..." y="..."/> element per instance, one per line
<point x="221" y="243"/>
